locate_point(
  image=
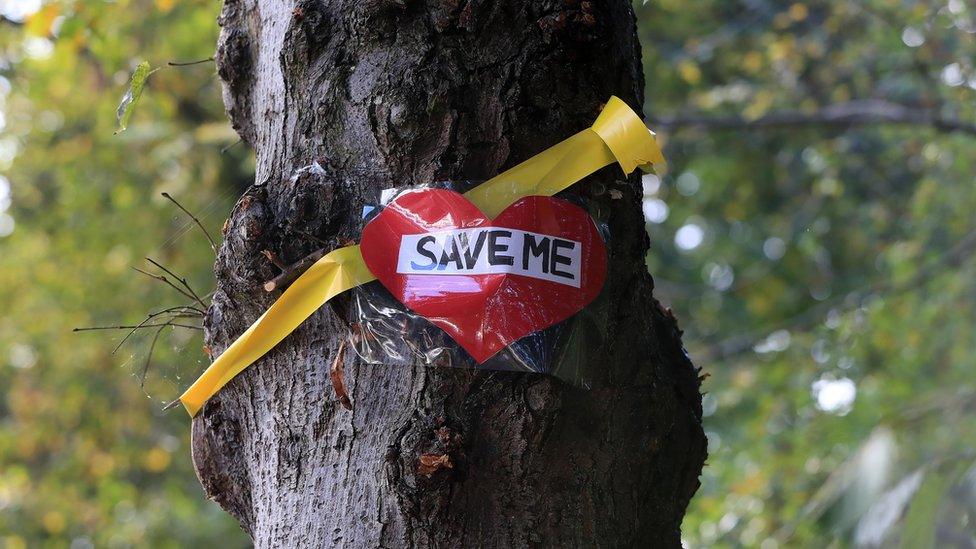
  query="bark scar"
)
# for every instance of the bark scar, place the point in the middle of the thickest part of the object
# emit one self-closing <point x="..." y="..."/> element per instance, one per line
<point x="336" y="374"/>
<point x="428" y="464"/>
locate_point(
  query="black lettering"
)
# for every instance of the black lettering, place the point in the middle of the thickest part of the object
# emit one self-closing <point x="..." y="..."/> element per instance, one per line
<point x="426" y="253"/>
<point x="495" y="249"/>
<point x="471" y="256"/>
<point x="453" y="257"/>
<point x="537" y="249"/>
<point x="556" y="259"/>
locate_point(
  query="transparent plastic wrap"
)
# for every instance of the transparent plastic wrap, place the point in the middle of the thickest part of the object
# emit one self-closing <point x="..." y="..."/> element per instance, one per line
<point x="388" y="332"/>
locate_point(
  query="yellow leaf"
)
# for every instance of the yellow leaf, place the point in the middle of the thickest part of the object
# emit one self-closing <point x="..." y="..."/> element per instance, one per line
<point x="752" y="62"/>
<point x="53" y="522"/>
<point x="799" y="12"/>
<point x="13" y="542"/>
<point x="101" y="464"/>
<point x="781" y="49"/>
<point x="156" y="460"/>
<point x="39" y="24"/>
<point x="689" y="71"/>
<point x="759" y="106"/>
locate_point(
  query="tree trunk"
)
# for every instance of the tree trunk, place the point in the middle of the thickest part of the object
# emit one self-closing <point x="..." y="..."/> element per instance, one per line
<point x="385" y="93"/>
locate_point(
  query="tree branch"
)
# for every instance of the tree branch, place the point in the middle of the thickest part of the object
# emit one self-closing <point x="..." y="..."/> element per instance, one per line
<point x="176" y="312"/>
<point x="152" y="347"/>
<point x="291" y="272"/>
<point x="213" y="245"/>
<point x="136" y="327"/>
<point x="189" y="63"/>
<point x="852" y="113"/>
<point x="182" y="280"/>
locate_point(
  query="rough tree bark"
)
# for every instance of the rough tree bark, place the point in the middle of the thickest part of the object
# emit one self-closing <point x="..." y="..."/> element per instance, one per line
<point x="391" y="92"/>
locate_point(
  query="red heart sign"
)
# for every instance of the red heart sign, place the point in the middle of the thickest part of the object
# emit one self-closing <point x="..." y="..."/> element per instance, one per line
<point x="486" y="282"/>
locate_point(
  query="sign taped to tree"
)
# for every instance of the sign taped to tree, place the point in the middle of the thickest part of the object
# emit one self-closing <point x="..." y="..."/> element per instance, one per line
<point x="486" y="282"/>
<point x="618" y="135"/>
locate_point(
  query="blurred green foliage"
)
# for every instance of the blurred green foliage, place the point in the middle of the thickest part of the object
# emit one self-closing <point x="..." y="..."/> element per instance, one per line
<point x="85" y="457"/>
<point x="823" y="273"/>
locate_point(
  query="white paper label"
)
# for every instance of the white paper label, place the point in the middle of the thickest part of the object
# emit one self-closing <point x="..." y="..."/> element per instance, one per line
<point x="491" y="250"/>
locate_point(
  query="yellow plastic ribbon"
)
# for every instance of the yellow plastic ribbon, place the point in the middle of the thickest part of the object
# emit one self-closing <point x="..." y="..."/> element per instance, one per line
<point x="618" y="135"/>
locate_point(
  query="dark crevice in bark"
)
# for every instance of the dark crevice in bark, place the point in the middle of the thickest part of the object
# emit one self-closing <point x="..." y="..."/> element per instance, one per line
<point x="340" y="100"/>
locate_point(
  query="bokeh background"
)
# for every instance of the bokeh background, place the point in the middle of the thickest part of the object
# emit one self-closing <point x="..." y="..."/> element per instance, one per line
<point x="814" y="236"/>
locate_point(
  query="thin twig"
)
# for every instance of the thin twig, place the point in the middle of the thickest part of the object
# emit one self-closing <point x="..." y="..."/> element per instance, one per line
<point x="148" y="319"/>
<point x="152" y="346"/>
<point x="171" y="405"/>
<point x="132" y="331"/>
<point x="291" y="272"/>
<point x="213" y="245"/>
<point x="128" y="335"/>
<point x="186" y="311"/>
<point x="166" y="281"/>
<point x="231" y="146"/>
<point x="181" y="279"/>
<point x="137" y="327"/>
<point x="189" y="63"/>
<point x="274" y="259"/>
<point x="210" y="294"/>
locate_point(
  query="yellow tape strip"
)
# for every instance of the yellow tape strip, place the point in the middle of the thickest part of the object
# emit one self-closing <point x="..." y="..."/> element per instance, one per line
<point x="618" y="135"/>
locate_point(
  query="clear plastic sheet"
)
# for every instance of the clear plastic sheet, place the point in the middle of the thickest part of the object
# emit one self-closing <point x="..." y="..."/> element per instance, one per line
<point x="387" y="332"/>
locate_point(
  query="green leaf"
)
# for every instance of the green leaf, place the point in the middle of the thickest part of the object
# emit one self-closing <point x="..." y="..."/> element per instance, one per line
<point x="922" y="517"/>
<point x="132" y="95"/>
